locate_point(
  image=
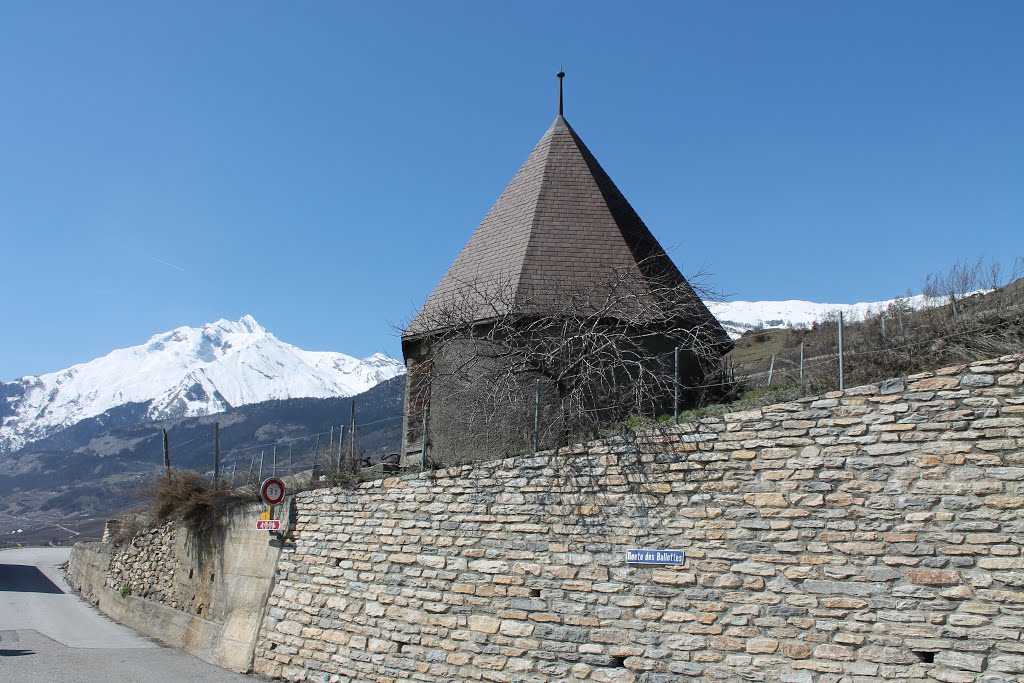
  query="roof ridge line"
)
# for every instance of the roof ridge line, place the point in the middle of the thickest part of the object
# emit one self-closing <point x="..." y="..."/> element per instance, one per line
<point x="545" y="181"/>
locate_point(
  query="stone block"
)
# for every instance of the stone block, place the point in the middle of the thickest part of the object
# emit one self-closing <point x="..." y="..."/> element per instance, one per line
<point x="838" y="652"/>
<point x="484" y="624"/>
<point x="974" y="381"/>
<point x="888" y="655"/>
<point x="933" y="577"/>
<point x="836" y="587"/>
<point x="1013" y="664"/>
<point x="777" y="500"/>
<point x="489" y="566"/>
<point x="934" y="384"/>
<point x="966" y="661"/>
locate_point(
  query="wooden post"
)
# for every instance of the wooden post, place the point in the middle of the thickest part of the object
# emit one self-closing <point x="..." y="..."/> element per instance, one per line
<point x="167" y="457"/>
<point x="259" y="476"/>
<point x="330" y="442"/>
<point x="273" y="466"/>
<point x="291" y="461"/>
<point x="841" y="385"/>
<point x="252" y="464"/>
<point x="352" y="439"/>
<point x="341" y="438"/>
<point x="316" y="450"/>
<point x="771" y="370"/>
<point x="216" y="451"/>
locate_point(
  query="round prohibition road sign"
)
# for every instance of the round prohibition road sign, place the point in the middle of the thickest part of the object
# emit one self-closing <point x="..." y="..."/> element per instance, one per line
<point x="272" y="491"/>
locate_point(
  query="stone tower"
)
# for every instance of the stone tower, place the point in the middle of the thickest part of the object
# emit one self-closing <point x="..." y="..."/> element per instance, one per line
<point x="558" y="226"/>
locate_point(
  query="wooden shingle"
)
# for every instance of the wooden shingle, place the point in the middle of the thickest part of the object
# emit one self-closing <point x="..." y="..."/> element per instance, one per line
<point x="559" y="225"/>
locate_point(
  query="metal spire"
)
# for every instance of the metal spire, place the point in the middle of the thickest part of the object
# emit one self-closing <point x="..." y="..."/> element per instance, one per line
<point x="561" y="75"/>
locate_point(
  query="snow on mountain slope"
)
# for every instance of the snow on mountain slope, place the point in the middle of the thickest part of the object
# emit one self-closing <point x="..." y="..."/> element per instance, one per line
<point x="739" y="316"/>
<point x="182" y="373"/>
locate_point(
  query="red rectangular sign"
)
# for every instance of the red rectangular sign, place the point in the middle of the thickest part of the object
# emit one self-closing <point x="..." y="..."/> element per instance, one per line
<point x="268" y="524"/>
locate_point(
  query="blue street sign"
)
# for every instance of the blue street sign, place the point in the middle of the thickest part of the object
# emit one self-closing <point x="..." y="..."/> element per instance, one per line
<point x="641" y="556"/>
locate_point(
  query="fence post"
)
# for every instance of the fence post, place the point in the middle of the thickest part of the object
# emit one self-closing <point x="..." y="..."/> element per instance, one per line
<point x="341" y="439"/>
<point x="252" y="464"/>
<point x="352" y="440"/>
<point x="167" y="456"/>
<point x="291" y="461"/>
<point x="771" y="370"/>
<point x="841" y="385"/>
<point x="273" y="466"/>
<point x="316" y="450"/>
<point x="216" y="451"/>
<point x="536" y="420"/>
<point x="259" y="476"/>
<point x="675" y="386"/>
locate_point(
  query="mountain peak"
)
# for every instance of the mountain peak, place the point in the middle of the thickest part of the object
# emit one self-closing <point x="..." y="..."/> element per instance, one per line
<point x="250" y="323"/>
<point x="183" y="373"/>
<point x="244" y="325"/>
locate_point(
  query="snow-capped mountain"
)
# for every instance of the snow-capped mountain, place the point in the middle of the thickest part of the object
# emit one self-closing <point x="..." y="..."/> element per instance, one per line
<point x="182" y="373"/>
<point x="739" y="316"/>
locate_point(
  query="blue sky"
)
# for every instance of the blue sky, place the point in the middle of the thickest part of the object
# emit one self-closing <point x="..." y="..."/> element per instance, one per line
<point x="320" y="164"/>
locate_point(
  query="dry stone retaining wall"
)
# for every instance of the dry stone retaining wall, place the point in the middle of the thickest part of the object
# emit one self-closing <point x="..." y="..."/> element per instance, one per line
<point x="870" y="535"/>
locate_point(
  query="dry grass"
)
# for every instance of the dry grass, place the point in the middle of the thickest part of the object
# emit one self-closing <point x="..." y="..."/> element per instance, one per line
<point x="191" y="498"/>
<point x="129" y="526"/>
<point x="887" y="343"/>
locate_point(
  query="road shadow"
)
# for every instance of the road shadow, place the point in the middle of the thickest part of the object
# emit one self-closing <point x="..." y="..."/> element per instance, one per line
<point x="25" y="578"/>
<point x="16" y="653"/>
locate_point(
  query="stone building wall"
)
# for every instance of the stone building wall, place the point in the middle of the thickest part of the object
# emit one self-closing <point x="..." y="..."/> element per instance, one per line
<point x="870" y="535"/>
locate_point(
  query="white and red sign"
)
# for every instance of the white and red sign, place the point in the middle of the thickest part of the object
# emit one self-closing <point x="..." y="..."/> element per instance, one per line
<point x="272" y="491"/>
<point x="268" y="524"/>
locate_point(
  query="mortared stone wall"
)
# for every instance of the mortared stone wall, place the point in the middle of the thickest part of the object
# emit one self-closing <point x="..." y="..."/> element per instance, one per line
<point x="868" y="535"/>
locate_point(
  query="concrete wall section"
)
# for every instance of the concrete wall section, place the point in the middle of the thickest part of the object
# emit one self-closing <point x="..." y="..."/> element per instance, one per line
<point x="204" y="595"/>
<point x="871" y="535"/>
<point x="87" y="569"/>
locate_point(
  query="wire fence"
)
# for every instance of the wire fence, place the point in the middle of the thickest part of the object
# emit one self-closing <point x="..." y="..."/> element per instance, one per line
<point x="835" y="354"/>
<point x="928" y="339"/>
<point x="331" y="451"/>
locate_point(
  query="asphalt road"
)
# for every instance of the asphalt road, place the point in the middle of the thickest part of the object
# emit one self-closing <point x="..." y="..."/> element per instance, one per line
<point x="48" y="634"/>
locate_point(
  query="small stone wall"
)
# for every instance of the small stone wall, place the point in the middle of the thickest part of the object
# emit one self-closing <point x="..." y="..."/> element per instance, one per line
<point x="156" y="565"/>
<point x="204" y="595"/>
<point x="870" y="535"/>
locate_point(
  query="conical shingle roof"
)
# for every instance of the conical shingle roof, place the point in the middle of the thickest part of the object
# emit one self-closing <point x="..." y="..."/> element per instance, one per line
<point x="560" y="225"/>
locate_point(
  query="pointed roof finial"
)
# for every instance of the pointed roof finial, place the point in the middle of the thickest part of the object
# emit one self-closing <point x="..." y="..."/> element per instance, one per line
<point x="561" y="75"/>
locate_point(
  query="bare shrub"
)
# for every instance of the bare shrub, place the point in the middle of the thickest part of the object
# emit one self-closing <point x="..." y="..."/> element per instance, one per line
<point x="193" y="499"/>
<point x="599" y="353"/>
<point x="129" y="526"/>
